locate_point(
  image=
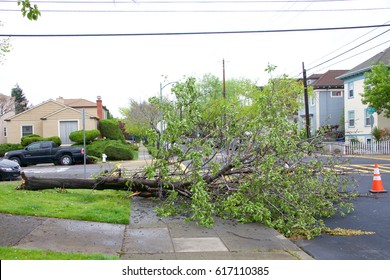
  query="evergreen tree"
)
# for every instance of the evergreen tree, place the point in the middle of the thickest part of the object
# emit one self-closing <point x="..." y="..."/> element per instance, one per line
<point x="21" y="101"/>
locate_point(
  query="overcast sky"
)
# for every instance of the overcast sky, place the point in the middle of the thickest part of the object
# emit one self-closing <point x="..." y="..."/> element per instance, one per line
<point x="121" y="67"/>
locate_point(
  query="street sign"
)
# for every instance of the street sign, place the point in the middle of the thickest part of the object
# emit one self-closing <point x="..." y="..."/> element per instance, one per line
<point x="371" y="110"/>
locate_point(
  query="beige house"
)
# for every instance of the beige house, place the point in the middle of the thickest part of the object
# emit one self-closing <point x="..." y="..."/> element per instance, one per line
<point x="55" y="118"/>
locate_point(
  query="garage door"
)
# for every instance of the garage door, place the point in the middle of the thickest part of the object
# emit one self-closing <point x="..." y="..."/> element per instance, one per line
<point x="66" y="127"/>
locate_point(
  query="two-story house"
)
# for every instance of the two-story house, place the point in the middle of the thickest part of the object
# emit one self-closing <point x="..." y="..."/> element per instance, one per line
<point x="57" y="117"/>
<point x="359" y="120"/>
<point x="326" y="103"/>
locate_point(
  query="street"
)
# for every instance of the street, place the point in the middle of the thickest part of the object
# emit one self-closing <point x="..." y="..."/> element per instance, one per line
<point x="70" y="171"/>
<point x="371" y="214"/>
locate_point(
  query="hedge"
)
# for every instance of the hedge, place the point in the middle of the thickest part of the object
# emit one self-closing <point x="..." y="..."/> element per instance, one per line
<point x="78" y="136"/>
<point x="99" y="147"/>
<point x="9" y="147"/>
<point x="27" y="140"/>
<point x="120" y="152"/>
<point x="110" y="129"/>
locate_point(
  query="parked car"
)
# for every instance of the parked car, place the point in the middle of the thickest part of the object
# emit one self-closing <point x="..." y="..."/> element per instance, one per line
<point x="9" y="170"/>
<point x="46" y="152"/>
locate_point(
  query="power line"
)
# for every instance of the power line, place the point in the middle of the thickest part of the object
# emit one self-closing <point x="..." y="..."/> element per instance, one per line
<point x="358" y="54"/>
<point x="203" y="11"/>
<point x="178" y="2"/>
<point x="349" y="50"/>
<point x="365" y="34"/>
<point x="198" y="33"/>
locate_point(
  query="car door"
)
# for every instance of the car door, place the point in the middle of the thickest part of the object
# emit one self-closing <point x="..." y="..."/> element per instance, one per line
<point x="38" y="152"/>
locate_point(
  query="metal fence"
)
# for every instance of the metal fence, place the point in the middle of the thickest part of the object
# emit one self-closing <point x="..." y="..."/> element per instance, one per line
<point x="373" y="148"/>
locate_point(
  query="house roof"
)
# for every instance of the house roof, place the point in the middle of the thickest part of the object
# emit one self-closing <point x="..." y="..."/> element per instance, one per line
<point x="383" y="56"/>
<point x="314" y="76"/>
<point x="329" y="80"/>
<point x="79" y="102"/>
<point x="41" y="104"/>
<point x="65" y="109"/>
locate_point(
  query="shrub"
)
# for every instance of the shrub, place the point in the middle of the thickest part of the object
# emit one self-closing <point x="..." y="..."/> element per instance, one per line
<point x="9" y="147"/>
<point x="119" y="152"/>
<point x="97" y="147"/>
<point x="134" y="147"/>
<point x="78" y="136"/>
<point x="376" y="133"/>
<point x="55" y="139"/>
<point x="27" y="140"/>
<point x="110" y="129"/>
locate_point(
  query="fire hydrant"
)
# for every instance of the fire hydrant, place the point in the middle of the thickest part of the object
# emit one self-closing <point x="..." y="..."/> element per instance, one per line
<point x="104" y="157"/>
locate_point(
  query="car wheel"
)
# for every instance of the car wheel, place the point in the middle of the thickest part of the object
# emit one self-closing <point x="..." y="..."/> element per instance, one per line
<point x="66" y="160"/>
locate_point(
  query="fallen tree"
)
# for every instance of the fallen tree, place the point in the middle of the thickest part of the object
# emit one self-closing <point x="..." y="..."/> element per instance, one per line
<point x="246" y="162"/>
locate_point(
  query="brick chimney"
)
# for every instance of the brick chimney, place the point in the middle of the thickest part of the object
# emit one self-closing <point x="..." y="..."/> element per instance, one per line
<point x="99" y="106"/>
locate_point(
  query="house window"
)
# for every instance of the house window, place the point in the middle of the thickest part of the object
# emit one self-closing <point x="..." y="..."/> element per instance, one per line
<point x="367" y="118"/>
<point x="4" y="131"/>
<point x="351" y="118"/>
<point x="350" y="90"/>
<point x="336" y="93"/>
<point x="27" y="130"/>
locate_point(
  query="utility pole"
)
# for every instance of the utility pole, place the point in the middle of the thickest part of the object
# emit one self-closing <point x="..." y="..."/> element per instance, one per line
<point x="306" y="101"/>
<point x="223" y="79"/>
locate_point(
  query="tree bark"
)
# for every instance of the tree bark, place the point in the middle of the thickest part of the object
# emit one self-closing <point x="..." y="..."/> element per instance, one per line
<point x="102" y="183"/>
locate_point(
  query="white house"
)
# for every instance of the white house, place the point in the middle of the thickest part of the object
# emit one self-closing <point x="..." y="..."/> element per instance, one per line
<point x="359" y="120"/>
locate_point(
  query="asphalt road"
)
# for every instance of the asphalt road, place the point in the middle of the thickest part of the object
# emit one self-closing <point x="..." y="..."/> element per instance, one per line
<point x="372" y="214"/>
<point x="71" y="171"/>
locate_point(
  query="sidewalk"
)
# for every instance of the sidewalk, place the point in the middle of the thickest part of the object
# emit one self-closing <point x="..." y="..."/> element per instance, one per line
<point x="148" y="236"/>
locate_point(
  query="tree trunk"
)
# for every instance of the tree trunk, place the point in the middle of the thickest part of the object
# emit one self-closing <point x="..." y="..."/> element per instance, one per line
<point x="102" y="183"/>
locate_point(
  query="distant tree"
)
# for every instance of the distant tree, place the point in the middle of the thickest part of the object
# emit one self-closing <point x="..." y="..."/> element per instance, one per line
<point x="377" y="89"/>
<point x="21" y="102"/>
<point x="140" y="117"/>
<point x="6" y="104"/>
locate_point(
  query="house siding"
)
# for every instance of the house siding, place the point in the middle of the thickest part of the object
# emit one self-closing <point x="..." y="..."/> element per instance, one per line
<point x="3" y="125"/>
<point x="360" y="131"/>
<point x="331" y="108"/>
<point x="325" y="110"/>
<point x="383" y="122"/>
<point x="15" y="129"/>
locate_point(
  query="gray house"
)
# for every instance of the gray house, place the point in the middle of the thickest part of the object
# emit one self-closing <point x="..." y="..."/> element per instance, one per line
<point x="359" y="120"/>
<point x="326" y="104"/>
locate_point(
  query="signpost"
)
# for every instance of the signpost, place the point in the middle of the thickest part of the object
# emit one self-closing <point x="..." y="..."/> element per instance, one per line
<point x="371" y="111"/>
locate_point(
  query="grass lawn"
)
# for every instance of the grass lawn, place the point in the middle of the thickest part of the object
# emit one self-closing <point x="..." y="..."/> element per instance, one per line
<point x="11" y="253"/>
<point x="109" y="206"/>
